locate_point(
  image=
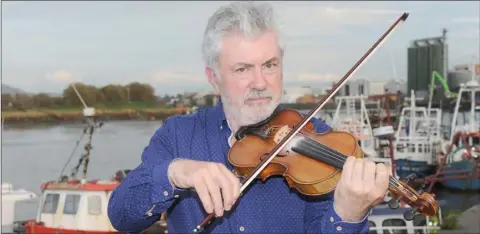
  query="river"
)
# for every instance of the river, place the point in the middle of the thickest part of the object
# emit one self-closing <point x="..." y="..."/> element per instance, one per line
<point x="32" y="155"/>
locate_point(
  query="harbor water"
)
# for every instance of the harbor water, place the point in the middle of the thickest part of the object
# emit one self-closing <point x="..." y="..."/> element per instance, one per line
<point x="32" y="155"/>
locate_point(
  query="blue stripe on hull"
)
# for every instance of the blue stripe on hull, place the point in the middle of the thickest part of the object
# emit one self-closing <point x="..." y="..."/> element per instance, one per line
<point x="472" y="184"/>
<point x="405" y="167"/>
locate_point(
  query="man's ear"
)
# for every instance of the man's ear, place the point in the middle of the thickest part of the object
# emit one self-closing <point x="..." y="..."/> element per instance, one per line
<point x="212" y="78"/>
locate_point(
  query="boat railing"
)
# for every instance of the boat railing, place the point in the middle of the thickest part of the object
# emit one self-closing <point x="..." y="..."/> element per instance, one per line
<point x="425" y="229"/>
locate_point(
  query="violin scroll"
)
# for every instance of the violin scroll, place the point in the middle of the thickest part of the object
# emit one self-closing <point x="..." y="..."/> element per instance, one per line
<point x="421" y="202"/>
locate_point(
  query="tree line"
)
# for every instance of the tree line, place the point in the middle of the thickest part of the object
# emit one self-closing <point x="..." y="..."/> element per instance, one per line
<point x="111" y="94"/>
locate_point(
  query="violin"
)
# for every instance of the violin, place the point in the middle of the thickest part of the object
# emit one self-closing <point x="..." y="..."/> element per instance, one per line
<point x="286" y="144"/>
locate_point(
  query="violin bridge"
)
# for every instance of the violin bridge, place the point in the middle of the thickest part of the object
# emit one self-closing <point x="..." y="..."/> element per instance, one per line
<point x="281" y="133"/>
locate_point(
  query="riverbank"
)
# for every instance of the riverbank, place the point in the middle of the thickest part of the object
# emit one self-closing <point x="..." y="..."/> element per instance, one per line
<point x="74" y="115"/>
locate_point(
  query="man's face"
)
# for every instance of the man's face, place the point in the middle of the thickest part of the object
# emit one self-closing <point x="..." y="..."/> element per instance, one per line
<point x="250" y="77"/>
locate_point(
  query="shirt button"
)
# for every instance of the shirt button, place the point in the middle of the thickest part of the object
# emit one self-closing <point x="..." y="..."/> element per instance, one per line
<point x="221" y="127"/>
<point x="242" y="228"/>
<point x="339" y="228"/>
<point x="165" y="193"/>
<point x="331" y="219"/>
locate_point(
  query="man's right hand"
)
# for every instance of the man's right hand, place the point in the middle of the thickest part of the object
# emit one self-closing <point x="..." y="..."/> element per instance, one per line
<point x="211" y="181"/>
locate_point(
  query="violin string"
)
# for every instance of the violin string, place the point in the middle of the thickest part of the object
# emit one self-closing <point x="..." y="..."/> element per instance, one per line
<point x="331" y="154"/>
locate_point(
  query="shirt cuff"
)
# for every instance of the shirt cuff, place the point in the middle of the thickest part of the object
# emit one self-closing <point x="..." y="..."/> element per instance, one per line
<point x="163" y="190"/>
<point x="347" y="227"/>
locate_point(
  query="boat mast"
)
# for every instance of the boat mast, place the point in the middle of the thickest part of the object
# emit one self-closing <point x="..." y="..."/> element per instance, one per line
<point x="92" y="124"/>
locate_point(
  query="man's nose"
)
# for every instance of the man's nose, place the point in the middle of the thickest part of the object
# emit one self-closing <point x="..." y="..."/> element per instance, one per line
<point x="259" y="81"/>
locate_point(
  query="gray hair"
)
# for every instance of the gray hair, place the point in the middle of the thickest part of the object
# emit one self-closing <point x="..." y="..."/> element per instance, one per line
<point x="248" y="18"/>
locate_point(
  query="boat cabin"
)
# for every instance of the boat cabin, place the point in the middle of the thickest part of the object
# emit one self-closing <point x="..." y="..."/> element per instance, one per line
<point x="384" y="220"/>
<point x="74" y="205"/>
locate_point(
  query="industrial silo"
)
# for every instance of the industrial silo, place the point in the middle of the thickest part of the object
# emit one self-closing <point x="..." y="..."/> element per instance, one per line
<point x="412" y="68"/>
<point x="424" y="57"/>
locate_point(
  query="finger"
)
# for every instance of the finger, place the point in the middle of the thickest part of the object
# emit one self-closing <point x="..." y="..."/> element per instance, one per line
<point x="382" y="177"/>
<point x="214" y="191"/>
<point x="225" y="186"/>
<point x="369" y="173"/>
<point x="348" y="169"/>
<point x="390" y="171"/>
<point x="202" y="191"/>
<point x="357" y="171"/>
<point x="235" y="186"/>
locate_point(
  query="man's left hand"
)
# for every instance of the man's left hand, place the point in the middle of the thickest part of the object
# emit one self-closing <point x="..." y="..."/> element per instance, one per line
<point x="363" y="184"/>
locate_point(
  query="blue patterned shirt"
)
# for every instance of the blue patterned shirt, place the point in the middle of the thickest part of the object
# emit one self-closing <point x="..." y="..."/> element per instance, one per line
<point x="269" y="207"/>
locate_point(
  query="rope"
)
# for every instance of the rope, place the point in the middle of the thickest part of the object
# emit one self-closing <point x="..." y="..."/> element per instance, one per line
<point x="73" y="151"/>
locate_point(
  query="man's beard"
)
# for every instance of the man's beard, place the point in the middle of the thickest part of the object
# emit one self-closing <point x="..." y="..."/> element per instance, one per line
<point x="249" y="113"/>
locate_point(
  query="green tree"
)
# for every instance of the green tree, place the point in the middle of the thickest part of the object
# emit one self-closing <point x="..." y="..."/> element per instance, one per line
<point x="23" y="101"/>
<point x="114" y="93"/>
<point x="89" y="93"/>
<point x="7" y="101"/>
<point x="42" y="100"/>
<point x="141" y="92"/>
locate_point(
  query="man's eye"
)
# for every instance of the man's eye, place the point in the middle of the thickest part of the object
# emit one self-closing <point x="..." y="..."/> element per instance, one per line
<point x="270" y="65"/>
<point x="242" y="69"/>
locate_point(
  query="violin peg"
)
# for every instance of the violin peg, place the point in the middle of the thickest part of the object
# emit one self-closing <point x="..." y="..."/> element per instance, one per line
<point x="409" y="178"/>
<point x="422" y="188"/>
<point x="410" y="214"/>
<point x="394" y="203"/>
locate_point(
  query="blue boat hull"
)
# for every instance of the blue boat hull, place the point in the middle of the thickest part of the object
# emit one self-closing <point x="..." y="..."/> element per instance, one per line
<point x="465" y="185"/>
<point x="405" y="167"/>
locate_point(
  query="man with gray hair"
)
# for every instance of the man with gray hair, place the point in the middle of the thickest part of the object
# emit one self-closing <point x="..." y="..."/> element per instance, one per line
<point x="185" y="171"/>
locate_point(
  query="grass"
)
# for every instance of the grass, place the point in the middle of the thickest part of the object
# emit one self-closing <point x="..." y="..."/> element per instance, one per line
<point x="106" y="109"/>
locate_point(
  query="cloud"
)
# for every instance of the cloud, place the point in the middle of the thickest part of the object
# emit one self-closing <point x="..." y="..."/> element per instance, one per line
<point x="305" y="20"/>
<point x="61" y="76"/>
<point x="467" y="20"/>
<point x="473" y="33"/>
<point x="165" y="77"/>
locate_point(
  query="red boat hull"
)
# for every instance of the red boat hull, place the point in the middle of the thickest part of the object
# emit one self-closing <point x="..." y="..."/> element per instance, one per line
<point x="32" y="227"/>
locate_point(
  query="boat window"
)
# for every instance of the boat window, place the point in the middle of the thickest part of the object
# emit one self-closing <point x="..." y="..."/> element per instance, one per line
<point x="372" y="226"/>
<point x="71" y="204"/>
<point x="419" y="221"/>
<point x="51" y="203"/>
<point x="394" y="225"/>
<point x="94" y="205"/>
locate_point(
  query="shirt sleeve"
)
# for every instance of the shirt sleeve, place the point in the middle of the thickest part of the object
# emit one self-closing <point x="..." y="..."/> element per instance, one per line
<point x="146" y="191"/>
<point x="320" y="215"/>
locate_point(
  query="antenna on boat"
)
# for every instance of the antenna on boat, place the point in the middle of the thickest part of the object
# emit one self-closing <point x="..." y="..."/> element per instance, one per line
<point x="92" y="124"/>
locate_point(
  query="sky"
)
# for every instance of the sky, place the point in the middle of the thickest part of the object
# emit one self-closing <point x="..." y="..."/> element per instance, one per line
<point x="45" y="45"/>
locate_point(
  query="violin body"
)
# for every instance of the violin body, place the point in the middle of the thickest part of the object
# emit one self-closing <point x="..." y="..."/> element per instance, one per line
<point x="312" y="162"/>
<point x="306" y="174"/>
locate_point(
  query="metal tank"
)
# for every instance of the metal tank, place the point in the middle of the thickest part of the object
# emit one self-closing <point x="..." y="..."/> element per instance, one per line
<point x="455" y="78"/>
<point x="425" y="56"/>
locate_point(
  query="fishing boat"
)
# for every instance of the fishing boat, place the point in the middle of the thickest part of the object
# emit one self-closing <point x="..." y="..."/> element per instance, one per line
<point x="356" y="121"/>
<point x="10" y="197"/>
<point x="382" y="219"/>
<point x="460" y="167"/>
<point x="417" y="140"/>
<point x="77" y="205"/>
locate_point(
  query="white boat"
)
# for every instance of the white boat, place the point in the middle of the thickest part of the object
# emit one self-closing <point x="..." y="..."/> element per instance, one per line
<point x="355" y="121"/>
<point x="382" y="219"/>
<point x="77" y="205"/>
<point x="417" y="140"/>
<point x="10" y="197"/>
